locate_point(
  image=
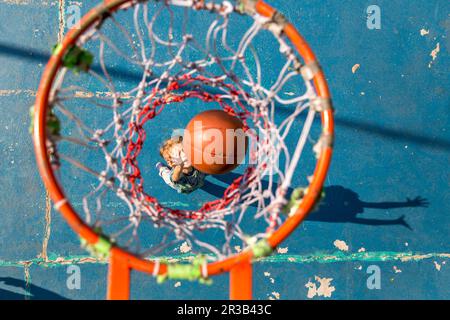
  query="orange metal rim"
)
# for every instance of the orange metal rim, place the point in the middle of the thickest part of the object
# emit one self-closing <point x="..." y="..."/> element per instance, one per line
<point x="85" y="231"/>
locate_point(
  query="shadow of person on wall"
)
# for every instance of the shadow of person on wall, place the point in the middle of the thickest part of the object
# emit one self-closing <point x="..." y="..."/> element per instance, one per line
<point x="344" y="205"/>
<point x="340" y="204"/>
<point x="36" y="293"/>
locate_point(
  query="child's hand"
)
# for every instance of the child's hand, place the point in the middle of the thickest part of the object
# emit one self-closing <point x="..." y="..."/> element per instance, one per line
<point x="171" y="163"/>
<point x="177" y="173"/>
<point x="173" y="153"/>
<point x="177" y="155"/>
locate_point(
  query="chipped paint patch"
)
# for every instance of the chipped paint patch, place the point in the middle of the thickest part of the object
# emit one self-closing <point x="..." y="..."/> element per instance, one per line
<point x="321" y="287"/>
<point x="341" y="245"/>
<point x="396" y="270"/>
<point x="237" y="248"/>
<point x="424" y="32"/>
<point x="185" y="248"/>
<point x="355" y="68"/>
<point x="274" y="296"/>
<point x="267" y="274"/>
<point x="177" y="284"/>
<point x="437" y="266"/>
<point x="434" y="54"/>
<point x="362" y="250"/>
<point x="435" y="51"/>
<point x="282" y="250"/>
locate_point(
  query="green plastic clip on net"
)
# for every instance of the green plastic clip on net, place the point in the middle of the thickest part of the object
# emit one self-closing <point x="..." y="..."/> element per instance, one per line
<point x="100" y="250"/>
<point x="262" y="249"/>
<point x="53" y="123"/>
<point x="189" y="272"/>
<point x="76" y="58"/>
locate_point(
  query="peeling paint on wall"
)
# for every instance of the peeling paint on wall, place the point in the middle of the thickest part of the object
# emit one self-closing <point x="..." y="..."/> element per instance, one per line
<point x="185" y="248"/>
<point x="341" y="245"/>
<point x="434" y="54"/>
<point x="321" y="288"/>
<point x="424" y="32"/>
<point x="282" y="250"/>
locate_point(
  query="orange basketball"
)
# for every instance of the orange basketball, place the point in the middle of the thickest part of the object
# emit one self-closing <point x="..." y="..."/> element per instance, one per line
<point x="215" y="142"/>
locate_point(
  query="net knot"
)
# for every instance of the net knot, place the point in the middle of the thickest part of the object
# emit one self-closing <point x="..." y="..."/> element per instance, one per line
<point x="173" y="86"/>
<point x="207" y="97"/>
<point x="226" y="9"/>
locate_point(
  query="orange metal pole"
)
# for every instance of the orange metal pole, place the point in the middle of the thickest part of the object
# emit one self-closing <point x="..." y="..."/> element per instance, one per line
<point x="241" y="281"/>
<point x="118" y="277"/>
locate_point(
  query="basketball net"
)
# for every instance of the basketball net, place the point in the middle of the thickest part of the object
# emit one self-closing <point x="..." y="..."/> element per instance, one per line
<point x="80" y="130"/>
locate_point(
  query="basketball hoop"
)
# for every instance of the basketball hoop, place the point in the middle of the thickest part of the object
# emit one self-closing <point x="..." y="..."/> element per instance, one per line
<point x="79" y="130"/>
